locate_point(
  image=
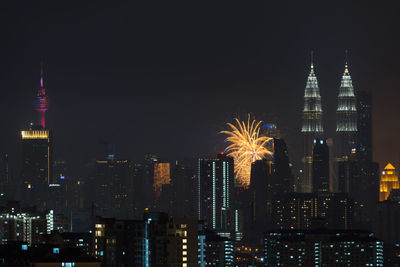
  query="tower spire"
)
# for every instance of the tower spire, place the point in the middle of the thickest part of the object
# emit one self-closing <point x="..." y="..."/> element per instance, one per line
<point x="312" y="57"/>
<point x="42" y="102"/>
<point x="312" y="64"/>
<point x="41" y="73"/>
<point x="346" y="66"/>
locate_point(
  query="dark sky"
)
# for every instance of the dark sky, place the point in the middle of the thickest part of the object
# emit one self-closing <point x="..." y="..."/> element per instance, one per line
<point x="164" y="77"/>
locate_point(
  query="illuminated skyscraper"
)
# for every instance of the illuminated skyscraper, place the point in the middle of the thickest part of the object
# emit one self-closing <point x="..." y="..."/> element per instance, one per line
<point x="389" y="181"/>
<point x="36" y="166"/>
<point x="37" y="154"/>
<point x="312" y="126"/>
<point x="215" y="190"/>
<point x="161" y="176"/>
<point x="346" y="118"/>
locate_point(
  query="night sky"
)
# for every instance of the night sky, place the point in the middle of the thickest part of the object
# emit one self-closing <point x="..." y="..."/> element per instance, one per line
<point x="164" y="77"/>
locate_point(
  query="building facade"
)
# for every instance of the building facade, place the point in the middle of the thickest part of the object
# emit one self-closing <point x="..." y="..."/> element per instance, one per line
<point x="322" y="247"/>
<point x="215" y="183"/>
<point x="157" y="240"/>
<point x="302" y="210"/>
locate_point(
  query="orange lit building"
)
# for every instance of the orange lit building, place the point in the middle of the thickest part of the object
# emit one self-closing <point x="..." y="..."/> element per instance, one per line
<point x="389" y="181"/>
<point x="161" y="176"/>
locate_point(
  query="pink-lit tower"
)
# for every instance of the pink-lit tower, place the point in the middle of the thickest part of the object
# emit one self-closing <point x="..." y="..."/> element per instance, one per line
<point x="42" y="101"/>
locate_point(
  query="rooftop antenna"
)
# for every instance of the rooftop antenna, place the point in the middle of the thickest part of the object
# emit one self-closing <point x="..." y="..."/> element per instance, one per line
<point x="312" y="57"/>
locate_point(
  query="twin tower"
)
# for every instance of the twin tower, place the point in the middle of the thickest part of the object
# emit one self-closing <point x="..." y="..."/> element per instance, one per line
<point x="312" y="127"/>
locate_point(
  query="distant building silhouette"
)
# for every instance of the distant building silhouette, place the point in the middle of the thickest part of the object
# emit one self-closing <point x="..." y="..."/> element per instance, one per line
<point x="320" y="166"/>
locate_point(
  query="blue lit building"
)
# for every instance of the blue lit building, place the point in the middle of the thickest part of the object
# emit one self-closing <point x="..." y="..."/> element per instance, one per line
<point x="215" y="192"/>
<point x="322" y="247"/>
<point x="215" y="250"/>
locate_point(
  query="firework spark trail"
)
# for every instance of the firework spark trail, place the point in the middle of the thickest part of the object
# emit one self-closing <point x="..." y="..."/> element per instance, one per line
<point x="246" y="147"/>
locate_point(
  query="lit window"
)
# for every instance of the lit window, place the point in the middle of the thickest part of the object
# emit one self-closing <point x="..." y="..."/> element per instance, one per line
<point x="184" y="253"/>
<point x="184" y="246"/>
<point x="184" y="241"/>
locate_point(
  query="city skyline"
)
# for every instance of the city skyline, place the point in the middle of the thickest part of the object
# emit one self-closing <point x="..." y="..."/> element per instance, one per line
<point x="90" y="89"/>
<point x="176" y="133"/>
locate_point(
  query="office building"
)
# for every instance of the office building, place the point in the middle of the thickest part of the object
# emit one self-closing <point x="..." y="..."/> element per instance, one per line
<point x="269" y="177"/>
<point x="36" y="170"/>
<point x="183" y="182"/>
<point x="113" y="181"/>
<point x="320" y="166"/>
<point x="346" y="118"/>
<point x="312" y="127"/>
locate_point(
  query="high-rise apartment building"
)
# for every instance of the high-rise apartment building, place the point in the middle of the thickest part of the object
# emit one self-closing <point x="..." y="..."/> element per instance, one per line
<point x="24" y="225"/>
<point x="322" y="247"/>
<point x="215" y="250"/>
<point x="156" y="240"/>
<point x="301" y="210"/>
<point x="215" y="183"/>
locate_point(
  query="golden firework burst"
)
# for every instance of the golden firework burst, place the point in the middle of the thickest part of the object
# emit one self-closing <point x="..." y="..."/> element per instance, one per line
<point x="246" y="146"/>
